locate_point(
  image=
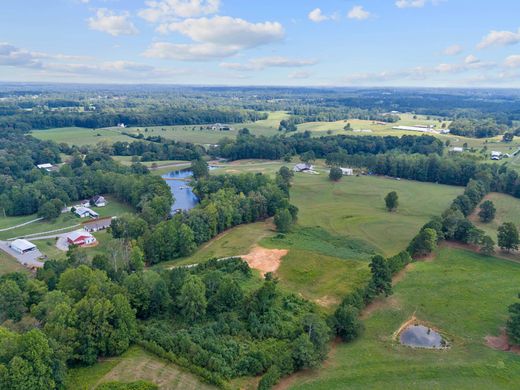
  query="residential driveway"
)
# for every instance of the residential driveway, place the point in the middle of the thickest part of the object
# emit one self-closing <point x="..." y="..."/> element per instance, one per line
<point x="62" y="244"/>
<point x="29" y="259"/>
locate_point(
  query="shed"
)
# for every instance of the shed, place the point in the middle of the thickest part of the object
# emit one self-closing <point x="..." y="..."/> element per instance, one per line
<point x="22" y="246"/>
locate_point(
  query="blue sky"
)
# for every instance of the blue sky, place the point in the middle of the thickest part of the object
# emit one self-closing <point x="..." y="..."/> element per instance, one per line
<point x="438" y="43"/>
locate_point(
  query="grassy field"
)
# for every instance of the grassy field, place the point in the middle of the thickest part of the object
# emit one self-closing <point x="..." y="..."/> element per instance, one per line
<point x="355" y="207"/>
<point x="9" y="264"/>
<point x="135" y="364"/>
<point x="462" y="294"/>
<point x="80" y="136"/>
<point x="508" y="210"/>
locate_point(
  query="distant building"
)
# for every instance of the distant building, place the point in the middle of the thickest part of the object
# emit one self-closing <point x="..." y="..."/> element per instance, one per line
<point x="445" y="131"/>
<point x="98" y="201"/>
<point x="47" y="167"/>
<point x="121" y="125"/>
<point x="496" y="155"/>
<point x="22" y="246"/>
<point x="347" y="171"/>
<point x="80" y="238"/>
<point x="97" y="224"/>
<point x="457" y="149"/>
<point x="420" y="128"/>
<point x="303" y="167"/>
<point x="84" y="212"/>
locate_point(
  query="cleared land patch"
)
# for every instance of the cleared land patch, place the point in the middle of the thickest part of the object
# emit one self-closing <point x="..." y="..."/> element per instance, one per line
<point x="80" y="136"/>
<point x="265" y="260"/>
<point x="135" y="364"/>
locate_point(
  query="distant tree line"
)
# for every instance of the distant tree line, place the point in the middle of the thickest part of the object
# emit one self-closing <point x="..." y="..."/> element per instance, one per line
<point x="477" y="128"/>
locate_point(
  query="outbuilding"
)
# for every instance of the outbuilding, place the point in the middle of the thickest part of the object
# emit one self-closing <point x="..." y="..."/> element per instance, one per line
<point x="347" y="171"/>
<point x="22" y="246"/>
<point x="83" y="212"/>
<point x="303" y="167"/>
<point x="80" y="237"/>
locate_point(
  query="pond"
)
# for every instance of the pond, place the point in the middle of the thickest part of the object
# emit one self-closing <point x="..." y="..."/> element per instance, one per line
<point x="420" y="336"/>
<point x="179" y="183"/>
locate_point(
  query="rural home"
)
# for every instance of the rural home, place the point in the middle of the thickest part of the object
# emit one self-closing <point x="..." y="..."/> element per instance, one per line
<point x="80" y="238"/>
<point x="347" y="171"/>
<point x="98" y="201"/>
<point x="47" y="167"/>
<point x="84" y="212"/>
<point x="303" y="167"/>
<point x="97" y="224"/>
<point x="496" y="155"/>
<point x="457" y="149"/>
<point x="22" y="246"/>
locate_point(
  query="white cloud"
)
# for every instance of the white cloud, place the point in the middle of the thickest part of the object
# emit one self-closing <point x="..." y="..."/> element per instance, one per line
<point x="299" y="75"/>
<point x="513" y="61"/>
<point x="499" y="38"/>
<point x="268" y="62"/>
<point x="453" y="50"/>
<point x="171" y="10"/>
<point x="216" y="37"/>
<point x="111" y="23"/>
<point x="415" y="3"/>
<point x="358" y="12"/>
<point x="317" y="16"/>
<point x="471" y="59"/>
<point x="14" y="56"/>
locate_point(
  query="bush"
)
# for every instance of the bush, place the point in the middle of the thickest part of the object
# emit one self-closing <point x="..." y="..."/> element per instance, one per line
<point x="335" y="174"/>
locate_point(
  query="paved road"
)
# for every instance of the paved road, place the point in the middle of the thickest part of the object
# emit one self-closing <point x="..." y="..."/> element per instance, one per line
<point x="30" y="259"/>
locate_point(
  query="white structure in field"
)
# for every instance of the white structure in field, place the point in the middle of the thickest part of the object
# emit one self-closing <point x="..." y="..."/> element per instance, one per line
<point x="303" y="167"/>
<point x="496" y="155"/>
<point x="83" y="212"/>
<point x="457" y="149"/>
<point x="22" y="246"/>
<point x="347" y="171"/>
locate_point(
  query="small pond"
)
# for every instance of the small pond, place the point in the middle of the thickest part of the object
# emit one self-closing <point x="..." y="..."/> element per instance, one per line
<point x="420" y="336"/>
<point x="179" y="182"/>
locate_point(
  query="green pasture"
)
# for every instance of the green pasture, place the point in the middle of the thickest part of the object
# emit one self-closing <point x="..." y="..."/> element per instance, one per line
<point x="354" y="207"/>
<point x="135" y="364"/>
<point x="80" y="136"/>
<point x="462" y="294"/>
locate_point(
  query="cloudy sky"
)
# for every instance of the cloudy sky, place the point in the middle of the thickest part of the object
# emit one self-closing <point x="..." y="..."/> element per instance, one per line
<point x="263" y="42"/>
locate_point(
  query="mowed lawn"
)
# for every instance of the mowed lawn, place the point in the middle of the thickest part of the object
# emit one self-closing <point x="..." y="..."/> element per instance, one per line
<point x="355" y="207"/>
<point x="465" y="296"/>
<point x="135" y="364"/>
<point x="9" y="264"/>
<point x="80" y="136"/>
<point x="508" y="210"/>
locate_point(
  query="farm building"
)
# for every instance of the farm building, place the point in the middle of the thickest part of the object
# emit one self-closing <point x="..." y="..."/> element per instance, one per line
<point x="80" y="237"/>
<point x="22" y="246"/>
<point x="221" y="127"/>
<point x="496" y="155"/>
<point x="347" y="171"/>
<point x="303" y="167"/>
<point x="47" y="167"/>
<point x="97" y="224"/>
<point x="98" y="201"/>
<point x="84" y="212"/>
<point x="457" y="149"/>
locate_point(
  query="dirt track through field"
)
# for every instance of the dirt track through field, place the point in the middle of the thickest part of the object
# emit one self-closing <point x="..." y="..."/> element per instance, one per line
<point x="265" y="260"/>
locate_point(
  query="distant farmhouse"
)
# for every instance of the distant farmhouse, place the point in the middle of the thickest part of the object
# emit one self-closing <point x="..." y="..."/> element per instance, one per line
<point x="303" y="167"/>
<point x="457" y="149"/>
<point x="47" y="167"/>
<point x="496" y="155"/>
<point x="347" y="171"/>
<point x="220" y="127"/>
<point x="84" y="212"/>
<point x="98" y="201"/>
<point x="80" y="238"/>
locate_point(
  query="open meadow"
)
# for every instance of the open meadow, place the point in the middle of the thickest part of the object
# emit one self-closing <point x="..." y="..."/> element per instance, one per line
<point x="135" y="364"/>
<point x="461" y="294"/>
<point x="80" y="136"/>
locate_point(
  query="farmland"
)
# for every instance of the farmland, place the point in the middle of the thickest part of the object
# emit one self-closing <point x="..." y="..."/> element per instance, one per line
<point x="134" y="364"/>
<point x="455" y="293"/>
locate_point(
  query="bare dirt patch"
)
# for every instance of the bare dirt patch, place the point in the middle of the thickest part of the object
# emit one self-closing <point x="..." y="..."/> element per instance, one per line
<point x="327" y="301"/>
<point x="501" y="343"/>
<point x="379" y="303"/>
<point x="265" y="260"/>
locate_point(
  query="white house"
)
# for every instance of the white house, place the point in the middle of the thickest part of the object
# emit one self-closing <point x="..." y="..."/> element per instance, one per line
<point x="457" y="149"/>
<point x="303" y="167"/>
<point x="98" y="201"/>
<point x="347" y="171"/>
<point x="83" y="212"/>
<point x="47" y="167"/>
<point x="496" y="155"/>
<point x="22" y="246"/>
